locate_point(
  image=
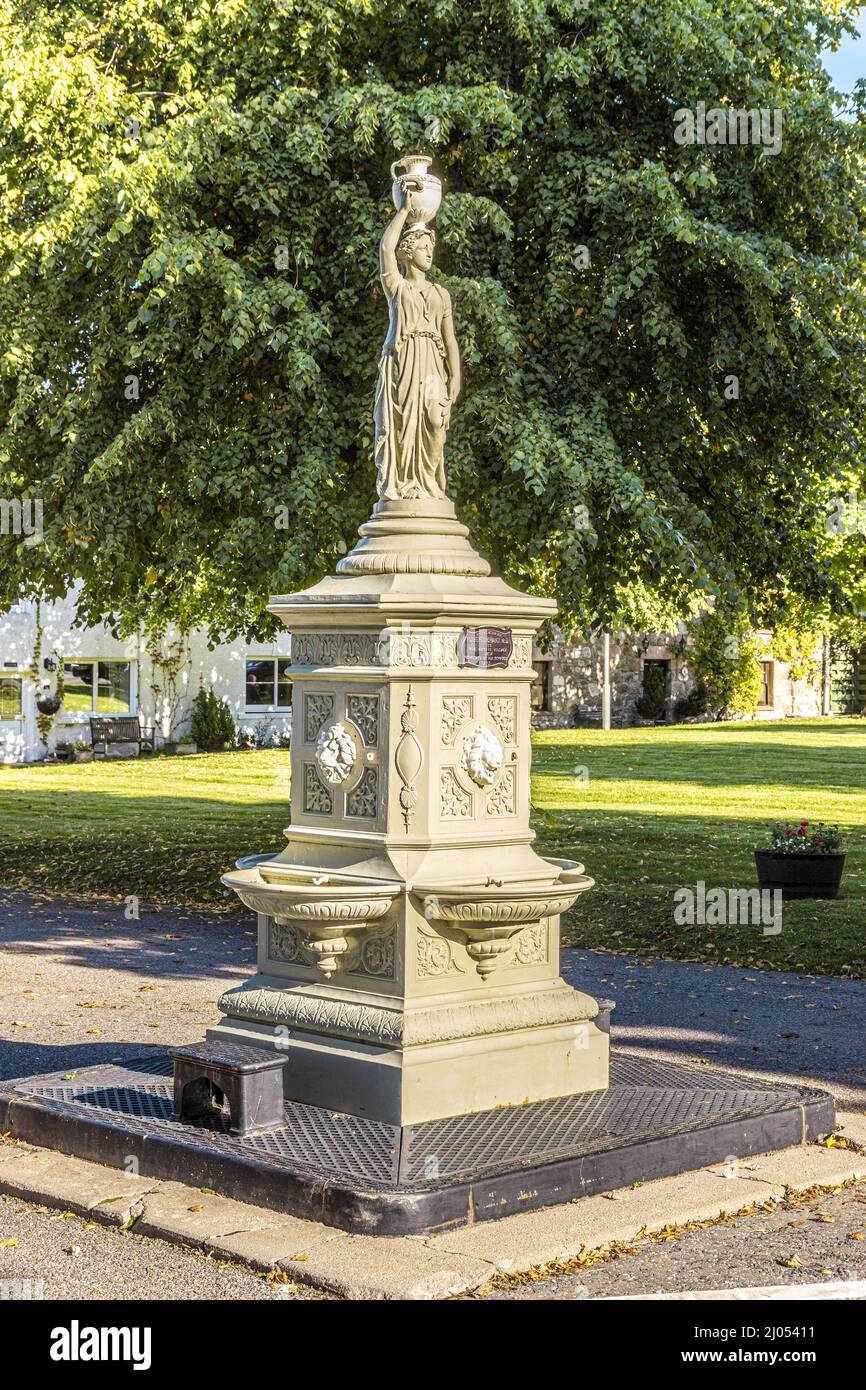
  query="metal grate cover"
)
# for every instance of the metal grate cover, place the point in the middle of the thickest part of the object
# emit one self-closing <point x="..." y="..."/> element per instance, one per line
<point x="646" y="1098"/>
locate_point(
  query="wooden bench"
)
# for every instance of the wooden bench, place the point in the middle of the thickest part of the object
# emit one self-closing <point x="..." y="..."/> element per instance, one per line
<point x="116" y="728"/>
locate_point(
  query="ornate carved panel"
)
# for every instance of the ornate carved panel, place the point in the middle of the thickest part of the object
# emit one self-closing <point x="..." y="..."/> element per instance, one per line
<point x="503" y="708"/>
<point x="531" y="947"/>
<point x="375" y="956"/>
<point x="502" y="800"/>
<point x="284" y="943"/>
<point x="335" y="649"/>
<point x="454" y="800"/>
<point x="363" y="710"/>
<point x="421" y="647"/>
<point x="317" y="799"/>
<point x="434" y="955"/>
<point x="363" y="800"/>
<point x="317" y="709"/>
<point x="456" y="709"/>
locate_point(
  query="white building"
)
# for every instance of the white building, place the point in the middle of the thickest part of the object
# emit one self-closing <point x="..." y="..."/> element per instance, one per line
<point x="108" y="675"/>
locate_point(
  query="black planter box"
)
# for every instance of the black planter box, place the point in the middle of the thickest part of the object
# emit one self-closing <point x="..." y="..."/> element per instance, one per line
<point x="801" y="875"/>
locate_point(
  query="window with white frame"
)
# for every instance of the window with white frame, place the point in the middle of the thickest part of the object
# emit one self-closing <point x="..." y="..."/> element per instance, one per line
<point x="267" y="683"/>
<point x="97" y="687"/>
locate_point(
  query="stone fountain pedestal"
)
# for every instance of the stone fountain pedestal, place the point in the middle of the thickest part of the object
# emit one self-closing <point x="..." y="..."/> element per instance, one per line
<point x="408" y="956"/>
<point x="436" y="1070"/>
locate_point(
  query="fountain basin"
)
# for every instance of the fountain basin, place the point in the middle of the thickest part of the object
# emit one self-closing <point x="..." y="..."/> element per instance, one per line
<point x="487" y="916"/>
<point x="327" y="908"/>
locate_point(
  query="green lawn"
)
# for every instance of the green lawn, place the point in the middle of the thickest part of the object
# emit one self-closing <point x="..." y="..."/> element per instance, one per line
<point x="660" y="808"/>
<point x="666" y="807"/>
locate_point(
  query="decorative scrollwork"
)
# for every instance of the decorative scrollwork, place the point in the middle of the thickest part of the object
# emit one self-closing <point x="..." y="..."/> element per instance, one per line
<point x="363" y="710"/>
<point x="456" y="710"/>
<point x="335" y="649"/>
<point x="317" y="709"/>
<point x="363" y="800"/>
<point x="454" y="800"/>
<point x="317" y="799"/>
<point x="503" y="708"/>
<point x="501" y="801"/>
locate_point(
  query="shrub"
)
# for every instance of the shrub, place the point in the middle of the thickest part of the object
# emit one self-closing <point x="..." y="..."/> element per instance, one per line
<point x="212" y="724"/>
<point x="693" y="705"/>
<point x="726" y="661"/>
<point x="651" y="704"/>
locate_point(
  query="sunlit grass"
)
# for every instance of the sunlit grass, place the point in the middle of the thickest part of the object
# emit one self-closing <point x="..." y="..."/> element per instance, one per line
<point x="653" y="810"/>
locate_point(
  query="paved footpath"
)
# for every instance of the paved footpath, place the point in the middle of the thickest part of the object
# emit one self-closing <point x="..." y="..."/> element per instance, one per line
<point x="79" y="984"/>
<point x="806" y="1029"/>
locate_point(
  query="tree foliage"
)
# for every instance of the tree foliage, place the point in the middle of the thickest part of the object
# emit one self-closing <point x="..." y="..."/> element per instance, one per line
<point x="191" y="193"/>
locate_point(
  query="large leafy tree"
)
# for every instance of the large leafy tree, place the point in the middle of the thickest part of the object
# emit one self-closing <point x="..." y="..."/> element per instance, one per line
<point x="191" y="193"/>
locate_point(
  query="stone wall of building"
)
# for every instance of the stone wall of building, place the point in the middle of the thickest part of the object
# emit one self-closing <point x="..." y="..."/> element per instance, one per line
<point x="573" y="671"/>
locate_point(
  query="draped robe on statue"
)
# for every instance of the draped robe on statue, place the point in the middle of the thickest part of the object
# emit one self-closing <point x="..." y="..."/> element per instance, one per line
<point x="412" y="411"/>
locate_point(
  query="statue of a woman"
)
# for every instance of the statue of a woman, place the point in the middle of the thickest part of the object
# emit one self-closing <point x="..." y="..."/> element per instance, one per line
<point x="419" y="371"/>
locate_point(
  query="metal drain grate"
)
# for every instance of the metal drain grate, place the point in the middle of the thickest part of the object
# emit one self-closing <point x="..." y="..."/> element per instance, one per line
<point x="544" y="1131"/>
<point x="321" y="1140"/>
<point x="645" y="1097"/>
<point x="656" y="1118"/>
<point x="631" y="1069"/>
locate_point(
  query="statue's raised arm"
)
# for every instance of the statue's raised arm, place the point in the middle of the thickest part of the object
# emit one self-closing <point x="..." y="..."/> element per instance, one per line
<point x="419" y="370"/>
